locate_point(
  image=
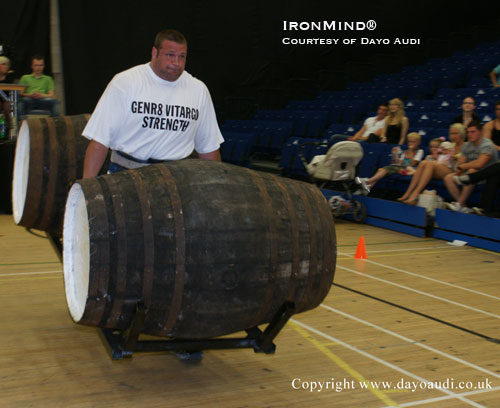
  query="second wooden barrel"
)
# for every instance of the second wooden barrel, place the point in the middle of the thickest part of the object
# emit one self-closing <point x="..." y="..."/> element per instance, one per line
<point x="49" y="156"/>
<point x="210" y="248"/>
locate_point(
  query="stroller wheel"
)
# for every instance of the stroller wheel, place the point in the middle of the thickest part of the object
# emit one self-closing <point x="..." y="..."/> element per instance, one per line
<point x="358" y="211"/>
<point x="338" y="205"/>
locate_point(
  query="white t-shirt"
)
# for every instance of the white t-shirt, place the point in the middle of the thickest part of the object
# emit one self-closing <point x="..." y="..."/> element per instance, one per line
<point x="147" y="117"/>
<point x="372" y="125"/>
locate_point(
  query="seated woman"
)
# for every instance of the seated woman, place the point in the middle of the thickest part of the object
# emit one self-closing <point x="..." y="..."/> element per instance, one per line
<point x="438" y="169"/>
<point x="403" y="163"/>
<point x="396" y="124"/>
<point x="491" y="130"/>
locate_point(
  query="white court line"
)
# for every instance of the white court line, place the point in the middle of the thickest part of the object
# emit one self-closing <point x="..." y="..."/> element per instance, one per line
<point x="406" y="249"/>
<point x="431" y="279"/>
<point x="383" y="362"/>
<point x="27" y="273"/>
<point x="437" y="399"/>
<point x="414" y="342"/>
<point x="421" y="293"/>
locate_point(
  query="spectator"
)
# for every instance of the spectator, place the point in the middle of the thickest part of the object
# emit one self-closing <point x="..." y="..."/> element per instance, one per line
<point x="492" y="129"/>
<point x="494" y="78"/>
<point x="433" y="149"/>
<point x="404" y="162"/>
<point x="6" y="77"/>
<point x="39" y="93"/>
<point x="479" y="152"/>
<point x="371" y="130"/>
<point x="492" y="176"/>
<point x="468" y="115"/>
<point x="435" y="168"/>
<point x="396" y="123"/>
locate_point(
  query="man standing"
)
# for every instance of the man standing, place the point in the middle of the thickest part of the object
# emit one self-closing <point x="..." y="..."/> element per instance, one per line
<point x="373" y="126"/>
<point x="477" y="153"/>
<point x="39" y="93"/>
<point x="494" y="76"/>
<point x="6" y="77"/>
<point x="153" y="112"/>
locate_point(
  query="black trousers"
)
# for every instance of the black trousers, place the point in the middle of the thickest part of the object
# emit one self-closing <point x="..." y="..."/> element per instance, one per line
<point x="492" y="176"/>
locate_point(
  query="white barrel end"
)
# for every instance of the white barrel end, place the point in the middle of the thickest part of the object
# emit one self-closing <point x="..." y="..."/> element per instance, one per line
<point x="76" y="252"/>
<point x="21" y="171"/>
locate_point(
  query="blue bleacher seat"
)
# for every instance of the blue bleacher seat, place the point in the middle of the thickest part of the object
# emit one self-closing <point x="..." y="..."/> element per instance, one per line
<point x="238" y="147"/>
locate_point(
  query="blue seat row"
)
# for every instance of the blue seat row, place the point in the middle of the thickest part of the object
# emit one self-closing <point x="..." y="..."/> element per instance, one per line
<point x="270" y="135"/>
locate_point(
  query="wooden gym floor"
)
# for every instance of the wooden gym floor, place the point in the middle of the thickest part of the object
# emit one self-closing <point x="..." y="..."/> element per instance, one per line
<point x="391" y="329"/>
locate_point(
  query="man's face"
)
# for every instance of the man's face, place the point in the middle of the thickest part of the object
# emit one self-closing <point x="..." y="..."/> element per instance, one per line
<point x="37" y="66"/>
<point x="382" y="112"/>
<point x="473" y="134"/>
<point x="497" y="111"/>
<point x="468" y="105"/>
<point x="4" y="68"/>
<point x="169" y="61"/>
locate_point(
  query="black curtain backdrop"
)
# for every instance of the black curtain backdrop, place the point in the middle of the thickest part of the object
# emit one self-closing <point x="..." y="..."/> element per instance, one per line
<point x="24" y="32"/>
<point x="236" y="47"/>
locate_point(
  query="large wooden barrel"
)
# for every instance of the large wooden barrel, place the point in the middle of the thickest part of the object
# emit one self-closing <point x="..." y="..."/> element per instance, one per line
<point x="209" y="248"/>
<point x="49" y="156"/>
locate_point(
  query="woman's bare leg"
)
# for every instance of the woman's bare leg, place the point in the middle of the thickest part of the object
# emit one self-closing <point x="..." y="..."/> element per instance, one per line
<point x="414" y="181"/>
<point x="376" y="177"/>
<point x="431" y="170"/>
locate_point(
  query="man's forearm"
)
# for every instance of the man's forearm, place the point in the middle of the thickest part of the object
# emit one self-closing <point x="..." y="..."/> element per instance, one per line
<point x="95" y="157"/>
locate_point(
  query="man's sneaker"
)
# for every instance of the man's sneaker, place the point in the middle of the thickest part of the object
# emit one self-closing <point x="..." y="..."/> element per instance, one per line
<point x="453" y="206"/>
<point x="462" y="180"/>
<point x="189" y="355"/>
<point x="478" y="211"/>
<point x="458" y="208"/>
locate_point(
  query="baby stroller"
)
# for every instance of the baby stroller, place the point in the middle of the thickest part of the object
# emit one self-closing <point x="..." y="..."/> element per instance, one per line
<point x="337" y="169"/>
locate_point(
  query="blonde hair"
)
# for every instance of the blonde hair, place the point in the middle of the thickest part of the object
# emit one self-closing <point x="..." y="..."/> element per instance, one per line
<point x="414" y="135"/>
<point x="395" y="118"/>
<point x="460" y="129"/>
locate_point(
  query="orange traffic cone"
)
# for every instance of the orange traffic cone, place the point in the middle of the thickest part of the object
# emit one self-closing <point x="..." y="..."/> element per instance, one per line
<point x="361" y="250"/>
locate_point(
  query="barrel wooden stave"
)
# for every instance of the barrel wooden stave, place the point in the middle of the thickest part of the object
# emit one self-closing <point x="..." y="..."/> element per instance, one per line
<point x="214" y="254"/>
<point x="55" y="150"/>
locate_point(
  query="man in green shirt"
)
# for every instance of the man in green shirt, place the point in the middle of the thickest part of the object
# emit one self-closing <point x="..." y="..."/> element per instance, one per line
<point x="39" y="93"/>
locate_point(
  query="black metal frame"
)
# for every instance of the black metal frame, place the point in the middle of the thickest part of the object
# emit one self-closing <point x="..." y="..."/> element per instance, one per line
<point x="122" y="344"/>
<point x="56" y="242"/>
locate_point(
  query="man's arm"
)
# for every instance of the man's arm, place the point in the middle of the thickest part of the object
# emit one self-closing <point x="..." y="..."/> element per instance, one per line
<point x="94" y="159"/>
<point x="38" y="95"/>
<point x="215" y="155"/>
<point x="477" y="164"/>
<point x="494" y="80"/>
<point x="358" y="134"/>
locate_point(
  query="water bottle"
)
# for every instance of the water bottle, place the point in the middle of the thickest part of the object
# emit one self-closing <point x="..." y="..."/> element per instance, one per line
<point x="396" y="153"/>
<point x="2" y="127"/>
